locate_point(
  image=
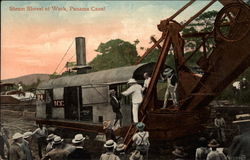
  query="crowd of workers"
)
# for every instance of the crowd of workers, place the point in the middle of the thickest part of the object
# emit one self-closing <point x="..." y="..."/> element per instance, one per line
<point x="51" y="146"/>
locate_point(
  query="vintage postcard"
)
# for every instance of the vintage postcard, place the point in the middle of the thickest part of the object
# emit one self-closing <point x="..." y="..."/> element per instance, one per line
<point x="125" y="80"/>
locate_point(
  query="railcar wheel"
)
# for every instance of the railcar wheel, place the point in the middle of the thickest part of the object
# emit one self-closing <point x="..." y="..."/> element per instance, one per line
<point x="232" y="23"/>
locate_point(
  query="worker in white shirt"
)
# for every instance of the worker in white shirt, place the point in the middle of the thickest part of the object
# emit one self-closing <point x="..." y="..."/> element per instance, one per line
<point x="146" y="82"/>
<point x="41" y="133"/>
<point x="136" y="91"/>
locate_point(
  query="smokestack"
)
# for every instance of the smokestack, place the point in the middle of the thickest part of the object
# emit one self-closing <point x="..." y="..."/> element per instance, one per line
<point x="80" y="51"/>
<point x="81" y="66"/>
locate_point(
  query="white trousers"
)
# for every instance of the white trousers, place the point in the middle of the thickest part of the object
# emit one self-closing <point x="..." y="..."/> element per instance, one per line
<point x="135" y="109"/>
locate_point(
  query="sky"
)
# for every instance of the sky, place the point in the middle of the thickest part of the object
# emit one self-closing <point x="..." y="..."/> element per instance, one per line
<point x="35" y="41"/>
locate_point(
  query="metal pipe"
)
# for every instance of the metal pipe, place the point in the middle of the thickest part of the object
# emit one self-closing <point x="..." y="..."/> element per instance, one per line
<point x="80" y="51"/>
<point x="149" y="50"/>
<point x="198" y="13"/>
<point x="182" y="9"/>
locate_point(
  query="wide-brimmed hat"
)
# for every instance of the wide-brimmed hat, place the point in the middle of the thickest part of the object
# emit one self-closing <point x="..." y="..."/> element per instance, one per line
<point x="167" y="71"/>
<point x="57" y="140"/>
<point x="120" y="147"/>
<point x="132" y="80"/>
<point x="17" y="136"/>
<point x="140" y="126"/>
<point x="179" y="152"/>
<point x="213" y="143"/>
<point x="27" y="134"/>
<point x="136" y="155"/>
<point x="50" y="137"/>
<point x="109" y="144"/>
<point x="106" y="124"/>
<point x="78" y="138"/>
<point x="242" y="118"/>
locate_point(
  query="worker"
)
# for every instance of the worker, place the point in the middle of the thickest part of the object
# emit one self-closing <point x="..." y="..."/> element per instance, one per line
<point x="239" y="148"/>
<point x="49" y="139"/>
<point x="171" y="88"/>
<point x="203" y="150"/>
<point x="115" y="103"/>
<point x="40" y="134"/>
<point x="20" y="87"/>
<point x="120" y="151"/>
<point x="4" y="136"/>
<point x="141" y="139"/>
<point x="244" y="84"/>
<point x="109" y="132"/>
<point x="136" y="91"/>
<point x="109" y="155"/>
<point x="57" y="153"/>
<point x="236" y="87"/>
<point x="80" y="152"/>
<point x="146" y="82"/>
<point x="214" y="154"/>
<point x="136" y="155"/>
<point x="16" y="152"/>
<point x="27" y="137"/>
<point x="220" y="125"/>
<point x="179" y="153"/>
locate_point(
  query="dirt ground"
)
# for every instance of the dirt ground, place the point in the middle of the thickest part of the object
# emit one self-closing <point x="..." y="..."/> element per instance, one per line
<point x="23" y="121"/>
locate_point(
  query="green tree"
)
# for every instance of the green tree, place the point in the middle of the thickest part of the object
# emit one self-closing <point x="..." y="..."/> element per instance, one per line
<point x="114" y="53"/>
<point x="205" y="24"/>
<point x="54" y="75"/>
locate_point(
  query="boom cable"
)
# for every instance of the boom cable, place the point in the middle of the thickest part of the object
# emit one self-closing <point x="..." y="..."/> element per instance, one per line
<point x="64" y="55"/>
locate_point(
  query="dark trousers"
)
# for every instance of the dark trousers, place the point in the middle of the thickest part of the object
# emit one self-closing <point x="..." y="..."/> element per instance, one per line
<point x="41" y="143"/>
<point x="2" y="147"/>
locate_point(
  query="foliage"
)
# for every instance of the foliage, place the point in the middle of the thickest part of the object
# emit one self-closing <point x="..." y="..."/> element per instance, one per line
<point x="244" y="95"/>
<point x="203" y="23"/>
<point x="54" y="75"/>
<point x="114" y="53"/>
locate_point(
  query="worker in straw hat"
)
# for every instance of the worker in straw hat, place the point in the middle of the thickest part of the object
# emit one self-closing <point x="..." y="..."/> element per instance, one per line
<point x="120" y="151"/>
<point x="110" y="146"/>
<point x="136" y="155"/>
<point x="136" y="91"/>
<point x="80" y="151"/>
<point x="57" y="153"/>
<point x="49" y="139"/>
<point x="109" y="132"/>
<point x="214" y="154"/>
<point x="179" y="153"/>
<point x="16" y="152"/>
<point x="171" y="78"/>
<point x="27" y="137"/>
<point x="241" y="143"/>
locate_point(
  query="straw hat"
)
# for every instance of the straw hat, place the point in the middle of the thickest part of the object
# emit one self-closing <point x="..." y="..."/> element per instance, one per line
<point x="50" y="137"/>
<point x="242" y="118"/>
<point x="109" y="144"/>
<point x="167" y="71"/>
<point x="78" y="139"/>
<point x="132" y="80"/>
<point x="57" y="140"/>
<point x="27" y="134"/>
<point x="140" y="126"/>
<point x="120" y="147"/>
<point x="213" y="143"/>
<point x="106" y="124"/>
<point x="17" y="136"/>
<point x="179" y="152"/>
<point x="136" y="155"/>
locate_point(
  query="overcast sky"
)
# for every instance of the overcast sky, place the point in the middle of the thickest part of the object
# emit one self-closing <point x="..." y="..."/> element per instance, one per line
<point x="35" y="41"/>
